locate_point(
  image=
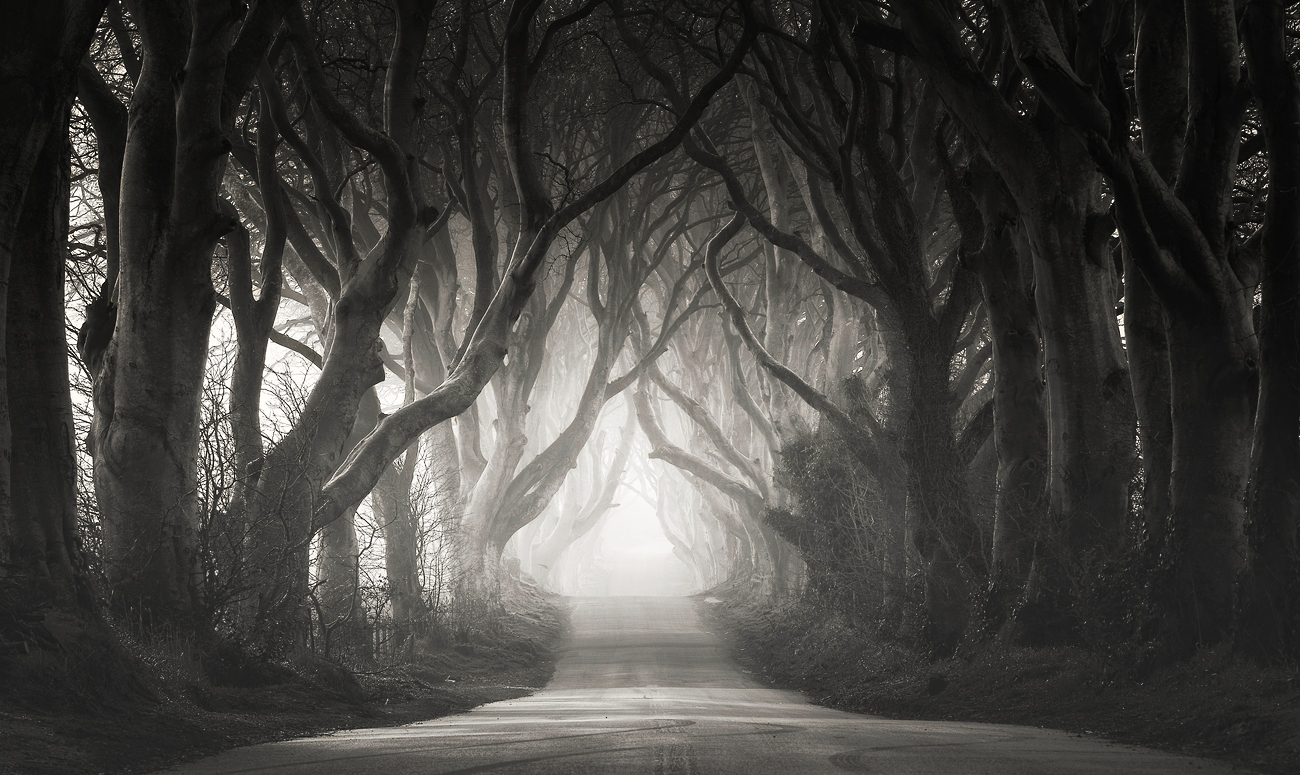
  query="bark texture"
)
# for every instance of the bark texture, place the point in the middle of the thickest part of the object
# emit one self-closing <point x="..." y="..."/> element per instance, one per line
<point x="1269" y="614"/>
<point x="43" y="543"/>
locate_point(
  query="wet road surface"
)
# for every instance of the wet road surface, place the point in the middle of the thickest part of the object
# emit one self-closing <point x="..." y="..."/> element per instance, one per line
<point x="642" y="688"/>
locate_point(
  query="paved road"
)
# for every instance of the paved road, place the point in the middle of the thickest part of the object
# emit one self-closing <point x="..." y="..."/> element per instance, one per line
<point x="644" y="689"/>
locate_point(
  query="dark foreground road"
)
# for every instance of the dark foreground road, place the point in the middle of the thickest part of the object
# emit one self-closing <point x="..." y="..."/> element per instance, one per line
<point x="643" y="689"/>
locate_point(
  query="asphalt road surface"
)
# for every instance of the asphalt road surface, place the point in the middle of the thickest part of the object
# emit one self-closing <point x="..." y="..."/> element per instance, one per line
<point x="642" y="688"/>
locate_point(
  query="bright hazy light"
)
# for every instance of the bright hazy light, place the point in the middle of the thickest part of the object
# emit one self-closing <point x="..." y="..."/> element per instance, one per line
<point x="633" y="557"/>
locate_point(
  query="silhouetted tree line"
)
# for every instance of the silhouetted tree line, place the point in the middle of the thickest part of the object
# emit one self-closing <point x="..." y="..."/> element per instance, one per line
<point x="968" y="318"/>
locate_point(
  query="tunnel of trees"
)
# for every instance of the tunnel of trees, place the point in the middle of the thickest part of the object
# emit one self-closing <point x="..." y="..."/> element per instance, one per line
<point x="969" y="319"/>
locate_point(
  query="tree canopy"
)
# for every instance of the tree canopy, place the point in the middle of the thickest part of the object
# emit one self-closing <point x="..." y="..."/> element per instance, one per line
<point x="968" y="318"/>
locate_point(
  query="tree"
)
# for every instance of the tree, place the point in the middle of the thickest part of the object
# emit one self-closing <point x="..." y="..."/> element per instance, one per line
<point x="196" y="66"/>
<point x="1180" y="240"/>
<point x="578" y="518"/>
<point x="921" y="306"/>
<point x="539" y="225"/>
<point x="1052" y="178"/>
<point x="1269" y="593"/>
<point x="39" y="544"/>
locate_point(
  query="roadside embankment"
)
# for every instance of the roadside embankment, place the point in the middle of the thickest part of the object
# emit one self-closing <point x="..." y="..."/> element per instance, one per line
<point x="175" y="714"/>
<point x="1212" y="706"/>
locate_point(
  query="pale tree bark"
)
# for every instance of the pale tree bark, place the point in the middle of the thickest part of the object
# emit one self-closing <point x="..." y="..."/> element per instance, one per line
<point x="752" y="564"/>
<point x="513" y="386"/>
<point x="447" y="477"/>
<point x="781" y="291"/>
<point x="254" y="315"/>
<point x="684" y="532"/>
<point x="456" y="452"/>
<point x="295" y="469"/>
<point x="736" y="448"/>
<point x="572" y="527"/>
<point x="744" y="562"/>
<point x="704" y="421"/>
<point x="528" y="491"/>
<point x="772" y="563"/>
<point x="713" y="370"/>
<point x="618" y="265"/>
<point x="564" y="510"/>
<point x="336" y="598"/>
<point x="337" y="593"/>
<point x="395" y="511"/>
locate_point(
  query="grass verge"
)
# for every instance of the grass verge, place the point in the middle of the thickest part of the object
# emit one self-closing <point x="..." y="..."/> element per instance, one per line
<point x="175" y="716"/>
<point x="1212" y="706"/>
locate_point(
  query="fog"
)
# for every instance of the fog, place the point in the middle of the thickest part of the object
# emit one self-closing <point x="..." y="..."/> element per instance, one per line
<point x="632" y="556"/>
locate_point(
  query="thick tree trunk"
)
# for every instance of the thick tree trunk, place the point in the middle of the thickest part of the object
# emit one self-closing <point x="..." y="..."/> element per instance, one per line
<point x="447" y="505"/>
<point x="1056" y="188"/>
<point x="148" y="391"/>
<point x="744" y="564"/>
<point x="280" y="510"/>
<point x="540" y="225"/>
<point x="524" y="495"/>
<point x="1148" y="357"/>
<point x="1186" y="252"/>
<point x="1269" y="615"/>
<point x="146" y="434"/>
<point x="524" y="500"/>
<point x="547" y="554"/>
<point x="341" y="618"/>
<point x="1214" y="381"/>
<point x="1091" y="413"/>
<point x="1019" y="417"/>
<point x="43" y="546"/>
<point x="939" y="505"/>
<point x="476" y="532"/>
<point x="394" y="512"/>
<point x="512" y="388"/>
<point x="438" y="289"/>
<point x="281" y="515"/>
<point x="1088" y="390"/>
<point x="43" y="44"/>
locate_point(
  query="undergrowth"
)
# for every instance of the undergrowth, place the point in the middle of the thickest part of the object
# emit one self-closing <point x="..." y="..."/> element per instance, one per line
<point x="106" y="702"/>
<point x="1213" y="705"/>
